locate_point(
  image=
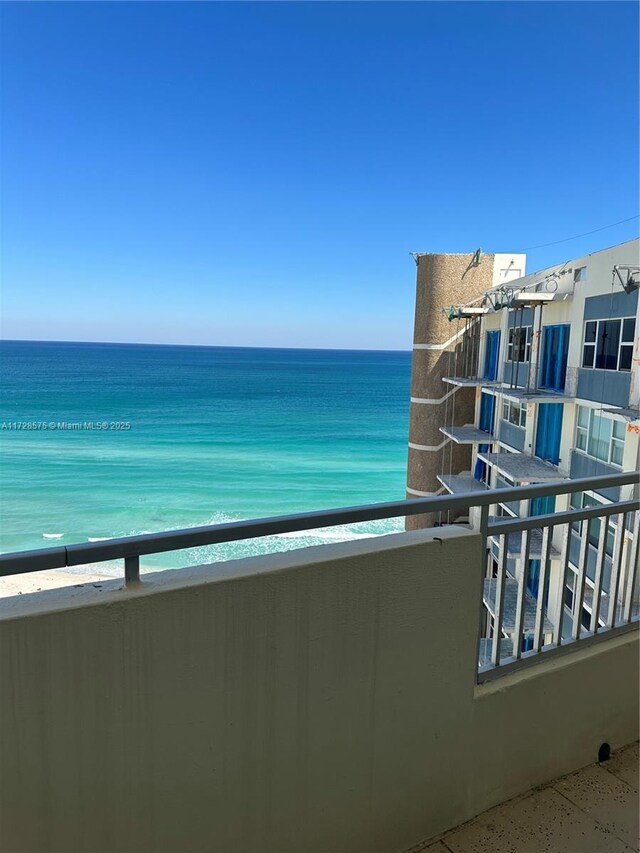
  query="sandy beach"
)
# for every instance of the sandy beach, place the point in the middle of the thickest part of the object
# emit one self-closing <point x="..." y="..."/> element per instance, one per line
<point x="49" y="579"/>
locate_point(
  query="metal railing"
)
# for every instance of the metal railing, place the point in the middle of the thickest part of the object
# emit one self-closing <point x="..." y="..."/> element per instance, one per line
<point x="520" y="621"/>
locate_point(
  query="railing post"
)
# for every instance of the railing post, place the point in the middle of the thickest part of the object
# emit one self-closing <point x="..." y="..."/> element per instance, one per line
<point x="523" y="582"/>
<point x="578" y="595"/>
<point x="616" y="568"/>
<point x="562" y="582"/>
<point x="599" y="575"/>
<point x="543" y="583"/>
<point x="131" y="570"/>
<point x="482" y="573"/>
<point x="632" y="569"/>
<point x="496" y="647"/>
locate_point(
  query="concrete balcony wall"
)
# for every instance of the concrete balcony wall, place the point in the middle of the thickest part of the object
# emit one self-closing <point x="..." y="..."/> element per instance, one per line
<point x="586" y="466"/>
<point x="319" y="700"/>
<point x="512" y="435"/>
<point x="604" y="386"/>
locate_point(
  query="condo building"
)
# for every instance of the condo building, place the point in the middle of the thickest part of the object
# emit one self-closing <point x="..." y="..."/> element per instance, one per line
<point x="538" y="380"/>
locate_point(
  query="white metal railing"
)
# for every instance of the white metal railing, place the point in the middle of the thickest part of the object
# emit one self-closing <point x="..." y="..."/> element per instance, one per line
<point x="521" y="622"/>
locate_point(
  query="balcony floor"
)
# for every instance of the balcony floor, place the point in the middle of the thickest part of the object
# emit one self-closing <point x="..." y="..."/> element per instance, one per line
<point x="592" y="811"/>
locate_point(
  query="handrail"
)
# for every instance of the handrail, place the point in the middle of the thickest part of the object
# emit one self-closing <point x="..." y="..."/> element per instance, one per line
<point x="132" y="547"/>
<point x="555" y="519"/>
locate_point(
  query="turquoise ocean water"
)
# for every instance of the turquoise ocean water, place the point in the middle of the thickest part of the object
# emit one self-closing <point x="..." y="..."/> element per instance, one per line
<point x="215" y="434"/>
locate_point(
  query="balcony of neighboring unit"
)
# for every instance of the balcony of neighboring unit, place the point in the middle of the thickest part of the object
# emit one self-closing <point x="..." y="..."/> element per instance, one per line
<point x="471" y="381"/>
<point x="465" y="312"/>
<point x="553" y="287"/>
<point x="514" y="543"/>
<point x="510" y="606"/>
<point x="611" y="387"/>
<point x="534" y="395"/>
<point x="521" y="468"/>
<point x="530" y="299"/>
<point x="467" y="434"/>
<point x="461" y="484"/>
<point x="630" y="415"/>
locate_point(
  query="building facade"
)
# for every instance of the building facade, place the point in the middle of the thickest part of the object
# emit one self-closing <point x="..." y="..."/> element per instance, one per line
<point x="554" y="385"/>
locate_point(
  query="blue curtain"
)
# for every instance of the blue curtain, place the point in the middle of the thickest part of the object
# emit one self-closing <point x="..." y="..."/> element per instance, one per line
<point x="491" y="353"/>
<point x="543" y="506"/>
<point x="487" y="408"/>
<point x="549" y="431"/>
<point x="481" y="467"/>
<point x="539" y="506"/>
<point x="555" y="350"/>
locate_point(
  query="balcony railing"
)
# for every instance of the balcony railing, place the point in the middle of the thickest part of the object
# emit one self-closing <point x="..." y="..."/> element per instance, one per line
<point x="524" y="564"/>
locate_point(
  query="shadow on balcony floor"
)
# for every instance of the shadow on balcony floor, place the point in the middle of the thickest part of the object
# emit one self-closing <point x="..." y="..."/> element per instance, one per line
<point x="592" y="811"/>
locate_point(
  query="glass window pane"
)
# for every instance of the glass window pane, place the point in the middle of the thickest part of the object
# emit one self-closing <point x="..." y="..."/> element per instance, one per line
<point x="626" y="353"/>
<point x="581" y="439"/>
<point x="583" y="416"/>
<point x="607" y="344"/>
<point x="617" y="453"/>
<point x="588" y="356"/>
<point x="599" y="437"/>
<point x="594" y="531"/>
<point x="628" y="330"/>
<point x="610" y="540"/>
<point x="619" y="430"/>
<point x="590" y="332"/>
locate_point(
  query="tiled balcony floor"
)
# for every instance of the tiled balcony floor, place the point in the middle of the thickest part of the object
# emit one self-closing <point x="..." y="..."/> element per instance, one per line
<point x="592" y="811"/>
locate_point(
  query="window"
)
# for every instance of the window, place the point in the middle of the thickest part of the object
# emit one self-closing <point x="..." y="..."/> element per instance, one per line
<point x="600" y="436"/>
<point x="581" y="500"/>
<point x="626" y="343"/>
<point x="608" y="344"/>
<point x="515" y="413"/>
<point x="571" y="604"/>
<point x="579" y="274"/>
<point x="519" y="345"/>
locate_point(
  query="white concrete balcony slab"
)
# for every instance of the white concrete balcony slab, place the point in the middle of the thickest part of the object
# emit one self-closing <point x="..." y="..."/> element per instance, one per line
<point x="469" y="381"/>
<point x="464" y="483"/>
<point x="531" y="395"/>
<point x="522" y="468"/>
<point x="631" y="415"/>
<point x="468" y="434"/>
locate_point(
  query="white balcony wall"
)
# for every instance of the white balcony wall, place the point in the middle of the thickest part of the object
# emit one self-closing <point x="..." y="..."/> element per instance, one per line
<point x="321" y="700"/>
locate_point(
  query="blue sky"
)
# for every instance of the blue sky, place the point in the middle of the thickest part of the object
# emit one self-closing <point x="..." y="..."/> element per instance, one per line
<point x="257" y="173"/>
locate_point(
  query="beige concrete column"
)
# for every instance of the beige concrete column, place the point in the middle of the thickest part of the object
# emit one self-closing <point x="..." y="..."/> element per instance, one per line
<point x="442" y="280"/>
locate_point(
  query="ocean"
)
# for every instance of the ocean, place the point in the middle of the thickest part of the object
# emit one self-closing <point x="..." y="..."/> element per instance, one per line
<point x="108" y="440"/>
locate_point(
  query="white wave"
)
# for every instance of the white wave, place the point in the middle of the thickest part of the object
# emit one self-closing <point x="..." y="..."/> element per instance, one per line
<point x="52" y="535"/>
<point x="98" y="538"/>
<point x="331" y="535"/>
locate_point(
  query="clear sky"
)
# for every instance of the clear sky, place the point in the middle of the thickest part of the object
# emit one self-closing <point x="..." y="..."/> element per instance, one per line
<point x="257" y="173"/>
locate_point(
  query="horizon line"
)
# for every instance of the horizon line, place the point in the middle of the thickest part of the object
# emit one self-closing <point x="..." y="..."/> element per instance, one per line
<point x="201" y="346"/>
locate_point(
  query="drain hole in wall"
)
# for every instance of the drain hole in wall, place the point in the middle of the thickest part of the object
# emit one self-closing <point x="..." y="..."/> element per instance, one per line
<point x="604" y="753"/>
